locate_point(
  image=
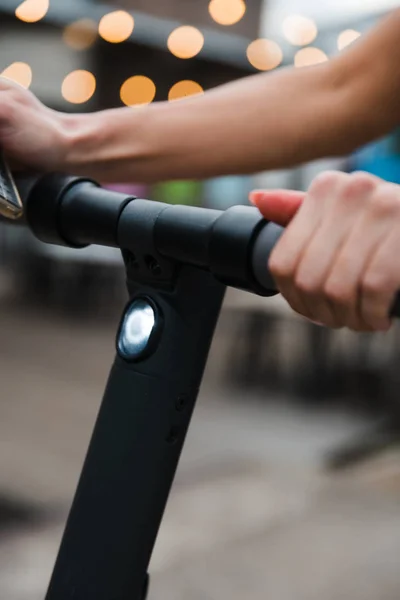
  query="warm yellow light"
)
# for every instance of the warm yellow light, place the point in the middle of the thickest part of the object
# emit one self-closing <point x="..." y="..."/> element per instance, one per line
<point x="264" y="54"/>
<point x="20" y="73"/>
<point x="299" y="31"/>
<point x="307" y="57"/>
<point x="116" y="27"/>
<point x="81" y="34"/>
<point x="347" y="37"/>
<point x="227" y="12"/>
<point x="185" y="41"/>
<point x="138" y="90"/>
<point x="78" y="87"/>
<point x="183" y="89"/>
<point x="32" y="11"/>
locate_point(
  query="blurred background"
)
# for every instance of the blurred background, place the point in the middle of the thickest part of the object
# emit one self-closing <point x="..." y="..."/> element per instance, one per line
<point x="289" y="484"/>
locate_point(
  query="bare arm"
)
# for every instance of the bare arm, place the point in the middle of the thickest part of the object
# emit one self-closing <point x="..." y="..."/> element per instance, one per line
<point x="262" y="122"/>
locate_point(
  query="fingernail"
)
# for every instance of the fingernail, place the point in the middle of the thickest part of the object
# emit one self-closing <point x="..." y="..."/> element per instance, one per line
<point x="254" y="197"/>
<point x="315" y="322"/>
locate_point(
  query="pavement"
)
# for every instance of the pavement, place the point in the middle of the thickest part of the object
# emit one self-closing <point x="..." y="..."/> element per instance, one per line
<point x="253" y="514"/>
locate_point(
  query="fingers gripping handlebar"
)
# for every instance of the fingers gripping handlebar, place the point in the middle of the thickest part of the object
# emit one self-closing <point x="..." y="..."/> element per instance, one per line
<point x="262" y="250"/>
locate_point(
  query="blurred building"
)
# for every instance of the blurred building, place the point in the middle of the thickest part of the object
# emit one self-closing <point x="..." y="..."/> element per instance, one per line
<point x="220" y="54"/>
<point x="328" y="13"/>
<point x="195" y="12"/>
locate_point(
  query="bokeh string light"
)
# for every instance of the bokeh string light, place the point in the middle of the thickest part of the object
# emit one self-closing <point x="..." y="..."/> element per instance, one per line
<point x="306" y="57"/>
<point x="185" y="42"/>
<point x="184" y="89"/>
<point x="19" y="72"/>
<point x="81" y="34"/>
<point x="347" y="37"/>
<point x="116" y="27"/>
<point x="227" y="12"/>
<point x="78" y="87"/>
<point x="32" y="11"/>
<point x="299" y="30"/>
<point x="138" y="91"/>
<point x="264" y="54"/>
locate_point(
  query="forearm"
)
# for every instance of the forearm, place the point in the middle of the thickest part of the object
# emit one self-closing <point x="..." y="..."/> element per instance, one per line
<point x="262" y="122"/>
<point x="258" y="123"/>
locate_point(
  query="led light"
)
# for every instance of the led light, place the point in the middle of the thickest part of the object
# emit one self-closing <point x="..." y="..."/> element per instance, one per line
<point x="116" y="27"/>
<point x="78" y="87"/>
<point x="32" y="11"/>
<point x="81" y="34"/>
<point x="306" y="57"/>
<point x="299" y="30"/>
<point x="264" y="55"/>
<point x="183" y="89"/>
<point x="137" y="91"/>
<point x="185" y="42"/>
<point x="227" y="12"/>
<point x="347" y="37"/>
<point x="138" y="324"/>
<point x="18" y="72"/>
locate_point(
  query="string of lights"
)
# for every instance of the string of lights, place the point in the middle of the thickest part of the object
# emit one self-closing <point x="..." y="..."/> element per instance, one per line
<point x="184" y="42"/>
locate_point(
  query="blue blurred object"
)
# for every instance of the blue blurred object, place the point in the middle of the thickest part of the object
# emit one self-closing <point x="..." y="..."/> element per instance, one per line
<point x="381" y="158"/>
<point x="223" y="192"/>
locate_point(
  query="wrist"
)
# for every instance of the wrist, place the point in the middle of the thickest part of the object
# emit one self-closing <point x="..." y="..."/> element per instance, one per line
<point x="82" y="141"/>
<point x="110" y="145"/>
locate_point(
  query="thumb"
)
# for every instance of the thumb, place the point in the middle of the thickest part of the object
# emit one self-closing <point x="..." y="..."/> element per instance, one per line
<point x="279" y="206"/>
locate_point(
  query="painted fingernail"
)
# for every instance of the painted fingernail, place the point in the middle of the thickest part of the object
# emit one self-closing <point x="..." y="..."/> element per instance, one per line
<point x="255" y="196"/>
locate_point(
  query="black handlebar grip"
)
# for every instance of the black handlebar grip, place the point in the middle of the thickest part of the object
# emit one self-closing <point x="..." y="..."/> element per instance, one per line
<point x="395" y="310"/>
<point x="263" y="247"/>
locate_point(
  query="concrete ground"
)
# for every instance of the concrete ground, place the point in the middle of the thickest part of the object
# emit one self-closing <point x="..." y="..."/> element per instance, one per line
<point x="252" y="514"/>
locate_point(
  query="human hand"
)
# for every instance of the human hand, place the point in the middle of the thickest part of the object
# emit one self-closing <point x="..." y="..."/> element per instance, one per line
<point x="338" y="261"/>
<point x="31" y="134"/>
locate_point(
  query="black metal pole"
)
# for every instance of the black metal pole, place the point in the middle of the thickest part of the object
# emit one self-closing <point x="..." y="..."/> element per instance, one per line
<point x="135" y="449"/>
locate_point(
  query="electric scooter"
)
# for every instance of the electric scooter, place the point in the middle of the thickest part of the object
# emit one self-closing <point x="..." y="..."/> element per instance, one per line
<point x="178" y="262"/>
